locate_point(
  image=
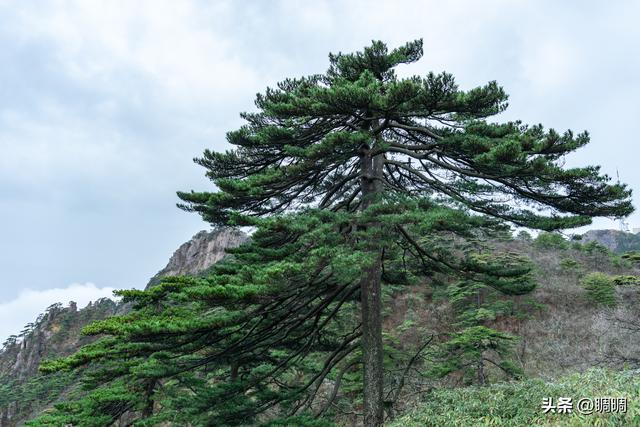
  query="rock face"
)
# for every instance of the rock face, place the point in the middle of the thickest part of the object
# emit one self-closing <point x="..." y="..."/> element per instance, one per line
<point x="201" y="252"/>
<point x="614" y="240"/>
<point x="56" y="332"/>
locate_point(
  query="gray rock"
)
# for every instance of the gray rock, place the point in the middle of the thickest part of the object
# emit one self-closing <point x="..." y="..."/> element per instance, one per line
<point x="201" y="252"/>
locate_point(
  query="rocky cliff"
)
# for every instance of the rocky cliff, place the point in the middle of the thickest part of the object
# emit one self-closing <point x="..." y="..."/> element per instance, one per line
<point x="201" y="252"/>
<point x="56" y="332"/>
<point x="615" y="240"/>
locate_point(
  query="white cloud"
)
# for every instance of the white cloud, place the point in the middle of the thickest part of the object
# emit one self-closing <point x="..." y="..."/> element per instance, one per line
<point x="551" y="64"/>
<point x="30" y="303"/>
<point x="56" y="141"/>
<point x="178" y="47"/>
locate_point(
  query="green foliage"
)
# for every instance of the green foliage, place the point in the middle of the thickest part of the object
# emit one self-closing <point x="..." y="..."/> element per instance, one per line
<point x="594" y="248"/>
<point x="101" y="409"/>
<point x="469" y="350"/>
<point x="600" y="289"/>
<point x="474" y="347"/>
<point x="519" y="403"/>
<point x="288" y="295"/>
<point x="599" y="254"/>
<point x="299" y="421"/>
<point x="35" y="392"/>
<point x="22" y="393"/>
<point x="617" y="261"/>
<point x="305" y="144"/>
<point x="632" y="256"/>
<point x="547" y="240"/>
<point x="271" y="303"/>
<point x="570" y="265"/>
<point x="626" y="280"/>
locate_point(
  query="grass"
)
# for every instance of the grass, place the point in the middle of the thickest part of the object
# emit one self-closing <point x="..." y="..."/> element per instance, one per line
<point x="520" y="403"/>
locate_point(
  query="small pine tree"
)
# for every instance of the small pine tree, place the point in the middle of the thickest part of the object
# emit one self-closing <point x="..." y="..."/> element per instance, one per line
<point x="547" y="240"/>
<point x="477" y="303"/>
<point x="600" y="289"/>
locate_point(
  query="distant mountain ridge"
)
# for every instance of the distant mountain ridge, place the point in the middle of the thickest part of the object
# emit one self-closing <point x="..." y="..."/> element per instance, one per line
<point x="615" y="240"/>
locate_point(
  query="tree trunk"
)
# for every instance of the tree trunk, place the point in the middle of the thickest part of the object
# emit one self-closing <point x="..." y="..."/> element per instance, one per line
<point x="481" y="377"/>
<point x="235" y="366"/>
<point x="371" y="306"/>
<point x="371" y="298"/>
<point x="147" y="411"/>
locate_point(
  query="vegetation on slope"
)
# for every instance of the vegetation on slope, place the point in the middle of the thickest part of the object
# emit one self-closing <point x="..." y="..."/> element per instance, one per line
<point x="24" y="392"/>
<point x="520" y="403"/>
<point x="558" y="329"/>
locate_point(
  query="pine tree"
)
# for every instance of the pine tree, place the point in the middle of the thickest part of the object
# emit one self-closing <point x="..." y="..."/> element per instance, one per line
<point x="354" y="178"/>
<point x="477" y="304"/>
<point x="265" y="329"/>
<point x="349" y="138"/>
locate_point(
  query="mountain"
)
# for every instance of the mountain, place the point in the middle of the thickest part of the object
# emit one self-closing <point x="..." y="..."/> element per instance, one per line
<point x="201" y="252"/>
<point x="562" y="332"/>
<point x="615" y="240"/>
<point x="56" y="332"/>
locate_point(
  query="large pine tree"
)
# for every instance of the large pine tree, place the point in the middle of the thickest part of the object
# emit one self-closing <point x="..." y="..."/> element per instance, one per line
<point x="358" y="134"/>
<point x="355" y="178"/>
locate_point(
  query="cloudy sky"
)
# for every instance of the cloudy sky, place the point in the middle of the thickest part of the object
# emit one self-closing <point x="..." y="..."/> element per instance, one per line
<point x="103" y="105"/>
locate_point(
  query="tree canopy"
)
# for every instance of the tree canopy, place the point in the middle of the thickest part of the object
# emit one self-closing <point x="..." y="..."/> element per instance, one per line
<point x="303" y="148"/>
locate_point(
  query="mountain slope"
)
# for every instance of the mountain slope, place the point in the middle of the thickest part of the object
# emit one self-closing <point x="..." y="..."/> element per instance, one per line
<point x="56" y="333"/>
<point x="563" y="331"/>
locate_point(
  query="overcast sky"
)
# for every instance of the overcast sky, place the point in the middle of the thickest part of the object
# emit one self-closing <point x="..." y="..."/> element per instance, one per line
<point x="103" y="105"/>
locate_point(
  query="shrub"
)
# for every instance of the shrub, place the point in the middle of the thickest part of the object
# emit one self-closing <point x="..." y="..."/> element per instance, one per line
<point x="576" y="245"/>
<point x="524" y="236"/>
<point x="626" y="280"/>
<point x="600" y="289"/>
<point x="618" y="261"/>
<point x="594" y="248"/>
<point x="547" y="240"/>
<point x="517" y="404"/>
<point x="633" y="257"/>
<point x="569" y="264"/>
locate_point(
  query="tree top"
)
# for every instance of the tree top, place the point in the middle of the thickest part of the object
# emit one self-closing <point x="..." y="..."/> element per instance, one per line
<point x="304" y="147"/>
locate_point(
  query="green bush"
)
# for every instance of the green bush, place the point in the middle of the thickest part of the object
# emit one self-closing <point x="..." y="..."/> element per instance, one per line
<point x="570" y="265"/>
<point x="618" y="261"/>
<point x="633" y="257"/>
<point x="600" y="289"/>
<point x="547" y="240"/>
<point x="524" y="236"/>
<point x="594" y="248"/>
<point x="626" y="280"/>
<point x="518" y="404"/>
